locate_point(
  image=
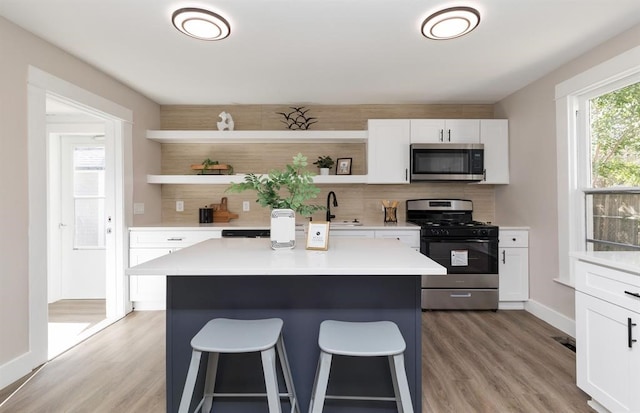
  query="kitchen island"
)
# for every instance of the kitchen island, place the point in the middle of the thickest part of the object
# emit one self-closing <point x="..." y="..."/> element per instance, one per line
<point x="355" y="280"/>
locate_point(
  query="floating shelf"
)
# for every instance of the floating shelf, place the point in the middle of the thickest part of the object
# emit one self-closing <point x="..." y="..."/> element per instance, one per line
<point x="257" y="136"/>
<point x="228" y="179"/>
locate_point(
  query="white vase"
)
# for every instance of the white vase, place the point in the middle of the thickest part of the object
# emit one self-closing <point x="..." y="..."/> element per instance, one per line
<point x="283" y="229"/>
<point x="324" y="171"/>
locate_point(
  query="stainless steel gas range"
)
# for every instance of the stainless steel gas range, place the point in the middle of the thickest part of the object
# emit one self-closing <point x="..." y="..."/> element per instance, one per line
<point x="467" y="248"/>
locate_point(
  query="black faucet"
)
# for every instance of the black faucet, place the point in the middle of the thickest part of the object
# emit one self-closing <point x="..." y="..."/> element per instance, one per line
<point x="335" y="204"/>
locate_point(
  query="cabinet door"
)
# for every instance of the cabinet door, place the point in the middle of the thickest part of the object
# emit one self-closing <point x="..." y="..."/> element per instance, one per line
<point x="606" y="368"/>
<point x="513" y="272"/>
<point x="427" y="130"/>
<point x="462" y="131"/>
<point x="388" y="151"/>
<point x="147" y="287"/>
<point x="494" y="134"/>
<point x="445" y="131"/>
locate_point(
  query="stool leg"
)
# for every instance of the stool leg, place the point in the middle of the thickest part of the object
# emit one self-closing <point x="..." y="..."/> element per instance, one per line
<point x="210" y="382"/>
<point x="288" y="378"/>
<point x="320" y="386"/>
<point x="271" y="380"/>
<point x="400" y="383"/>
<point x="190" y="382"/>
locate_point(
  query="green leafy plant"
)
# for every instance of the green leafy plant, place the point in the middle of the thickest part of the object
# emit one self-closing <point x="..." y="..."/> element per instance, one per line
<point x="289" y="188"/>
<point x="324" y="162"/>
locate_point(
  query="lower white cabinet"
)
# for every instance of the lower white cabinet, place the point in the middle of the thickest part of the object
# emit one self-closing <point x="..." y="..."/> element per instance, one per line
<point x="608" y="336"/>
<point x="513" y="265"/>
<point x="411" y="237"/>
<point x="149" y="292"/>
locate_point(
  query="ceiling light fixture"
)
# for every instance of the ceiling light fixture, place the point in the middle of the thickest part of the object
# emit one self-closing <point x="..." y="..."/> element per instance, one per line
<point x="450" y="23"/>
<point x="201" y="24"/>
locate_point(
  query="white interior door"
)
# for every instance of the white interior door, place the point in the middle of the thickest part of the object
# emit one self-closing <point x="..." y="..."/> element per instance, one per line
<point x="83" y="218"/>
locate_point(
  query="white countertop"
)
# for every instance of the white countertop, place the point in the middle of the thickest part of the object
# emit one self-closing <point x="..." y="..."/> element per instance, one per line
<point x="254" y="256"/>
<point x="623" y="260"/>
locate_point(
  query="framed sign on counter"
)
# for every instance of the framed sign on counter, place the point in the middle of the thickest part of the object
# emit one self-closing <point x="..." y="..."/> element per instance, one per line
<point x="318" y="236"/>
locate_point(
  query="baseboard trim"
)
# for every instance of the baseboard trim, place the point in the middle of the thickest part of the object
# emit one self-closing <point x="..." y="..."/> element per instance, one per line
<point x="548" y="315"/>
<point x="15" y="369"/>
<point x="511" y="305"/>
<point x="149" y="305"/>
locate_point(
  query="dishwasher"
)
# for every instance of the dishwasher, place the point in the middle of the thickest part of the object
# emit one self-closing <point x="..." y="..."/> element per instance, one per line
<point x="246" y="233"/>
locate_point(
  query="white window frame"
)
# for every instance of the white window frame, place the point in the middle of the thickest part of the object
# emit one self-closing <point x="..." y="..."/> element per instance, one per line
<point x="573" y="152"/>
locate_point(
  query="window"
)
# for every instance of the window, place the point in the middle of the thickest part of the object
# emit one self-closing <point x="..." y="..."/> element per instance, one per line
<point x="581" y="205"/>
<point x="613" y="205"/>
<point x="89" y="196"/>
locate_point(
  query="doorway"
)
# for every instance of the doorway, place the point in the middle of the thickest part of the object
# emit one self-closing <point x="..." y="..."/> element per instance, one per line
<point x="45" y="207"/>
<point x="77" y="278"/>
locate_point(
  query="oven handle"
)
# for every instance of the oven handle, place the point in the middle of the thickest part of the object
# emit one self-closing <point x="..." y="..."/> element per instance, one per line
<point x="484" y="241"/>
<point x="460" y="295"/>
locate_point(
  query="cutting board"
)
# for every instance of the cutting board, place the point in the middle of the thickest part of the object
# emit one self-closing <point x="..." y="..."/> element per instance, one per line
<point x="221" y="212"/>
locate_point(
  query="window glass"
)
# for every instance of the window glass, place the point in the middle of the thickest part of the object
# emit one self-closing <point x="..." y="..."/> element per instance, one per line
<point x="613" y="203"/>
<point x="89" y="196"/>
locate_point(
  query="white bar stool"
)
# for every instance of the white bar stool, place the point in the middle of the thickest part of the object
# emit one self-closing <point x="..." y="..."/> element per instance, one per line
<point x="361" y="339"/>
<point x="223" y="335"/>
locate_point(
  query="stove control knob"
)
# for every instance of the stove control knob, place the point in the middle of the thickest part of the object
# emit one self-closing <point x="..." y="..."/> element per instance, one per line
<point x="484" y="232"/>
<point x="474" y="232"/>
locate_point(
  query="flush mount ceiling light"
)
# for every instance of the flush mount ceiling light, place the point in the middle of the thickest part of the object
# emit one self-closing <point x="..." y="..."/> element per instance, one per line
<point x="450" y="23"/>
<point x="201" y="24"/>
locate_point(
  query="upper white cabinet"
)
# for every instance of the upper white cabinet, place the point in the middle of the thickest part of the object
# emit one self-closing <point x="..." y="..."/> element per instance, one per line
<point x="445" y="131"/>
<point x="388" y="151"/>
<point x="494" y="134"/>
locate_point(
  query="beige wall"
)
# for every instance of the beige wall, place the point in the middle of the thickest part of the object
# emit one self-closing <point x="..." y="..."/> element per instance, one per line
<point x="355" y="201"/>
<point x="531" y="197"/>
<point x="18" y="50"/>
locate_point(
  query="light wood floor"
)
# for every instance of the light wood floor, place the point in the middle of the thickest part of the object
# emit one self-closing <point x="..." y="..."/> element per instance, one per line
<point x="472" y="362"/>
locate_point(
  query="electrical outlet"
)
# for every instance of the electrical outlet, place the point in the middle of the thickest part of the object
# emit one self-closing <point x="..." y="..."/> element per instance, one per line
<point x="179" y="206"/>
<point x="246" y="206"/>
<point x="138" y="208"/>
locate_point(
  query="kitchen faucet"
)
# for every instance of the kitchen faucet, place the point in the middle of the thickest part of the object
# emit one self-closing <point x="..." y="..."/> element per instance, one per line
<point x="335" y="204"/>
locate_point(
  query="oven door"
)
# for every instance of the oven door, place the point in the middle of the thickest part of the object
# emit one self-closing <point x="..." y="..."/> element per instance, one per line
<point x="463" y="256"/>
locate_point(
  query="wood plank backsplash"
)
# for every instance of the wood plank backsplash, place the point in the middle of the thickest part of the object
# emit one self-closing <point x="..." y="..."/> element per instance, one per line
<point x="355" y="200"/>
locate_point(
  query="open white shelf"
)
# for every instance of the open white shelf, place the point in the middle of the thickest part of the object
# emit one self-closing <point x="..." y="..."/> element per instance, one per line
<point x="228" y="179"/>
<point x="257" y="136"/>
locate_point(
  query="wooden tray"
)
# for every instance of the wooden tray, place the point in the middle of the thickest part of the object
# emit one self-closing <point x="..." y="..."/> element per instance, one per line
<point x="217" y="168"/>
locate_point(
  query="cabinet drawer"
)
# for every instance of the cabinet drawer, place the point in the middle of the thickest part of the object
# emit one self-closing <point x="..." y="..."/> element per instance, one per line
<point x="409" y="237"/>
<point x="160" y="239"/>
<point x="615" y="286"/>
<point x="514" y="239"/>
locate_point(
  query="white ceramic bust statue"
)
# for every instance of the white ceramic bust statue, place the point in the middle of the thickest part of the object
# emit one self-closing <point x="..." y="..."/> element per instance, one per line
<point x="226" y="122"/>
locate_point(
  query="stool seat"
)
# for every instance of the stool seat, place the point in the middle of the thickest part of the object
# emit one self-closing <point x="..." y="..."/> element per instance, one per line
<point x="224" y="335"/>
<point x="363" y="339"/>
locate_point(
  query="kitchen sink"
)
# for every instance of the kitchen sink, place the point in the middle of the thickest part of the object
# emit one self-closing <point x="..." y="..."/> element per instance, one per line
<point x="354" y="223"/>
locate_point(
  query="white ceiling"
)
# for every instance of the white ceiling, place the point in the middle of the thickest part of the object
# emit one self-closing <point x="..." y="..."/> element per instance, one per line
<point x="324" y="51"/>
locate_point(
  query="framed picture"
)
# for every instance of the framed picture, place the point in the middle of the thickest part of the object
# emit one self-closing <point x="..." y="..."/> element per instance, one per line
<point x="318" y="236"/>
<point x="343" y="166"/>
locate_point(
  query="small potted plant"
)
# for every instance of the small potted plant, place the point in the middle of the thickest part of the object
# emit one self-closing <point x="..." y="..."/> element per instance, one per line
<point x="324" y="163"/>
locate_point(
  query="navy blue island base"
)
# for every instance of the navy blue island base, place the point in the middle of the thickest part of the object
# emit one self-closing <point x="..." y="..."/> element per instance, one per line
<point x="303" y="302"/>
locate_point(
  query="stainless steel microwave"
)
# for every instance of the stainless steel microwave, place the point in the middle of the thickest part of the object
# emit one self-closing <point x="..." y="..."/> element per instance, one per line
<point x="447" y="162"/>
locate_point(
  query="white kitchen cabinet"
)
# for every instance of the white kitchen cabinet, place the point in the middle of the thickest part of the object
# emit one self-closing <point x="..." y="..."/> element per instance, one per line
<point x="149" y="292"/>
<point x="607" y="323"/>
<point x="494" y="134"/>
<point x="445" y="131"/>
<point x="410" y="237"/>
<point x="388" y="151"/>
<point x="513" y="267"/>
<point x="351" y="233"/>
